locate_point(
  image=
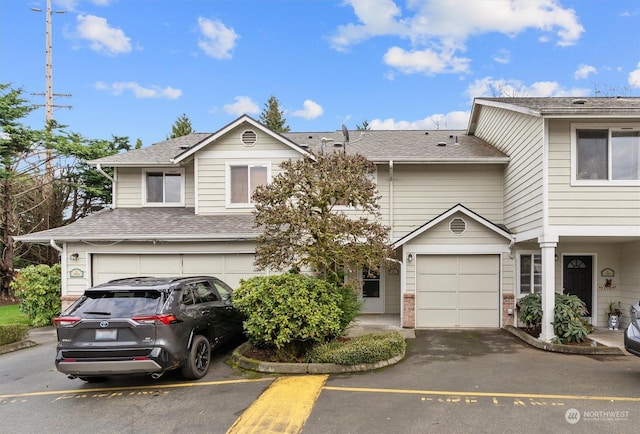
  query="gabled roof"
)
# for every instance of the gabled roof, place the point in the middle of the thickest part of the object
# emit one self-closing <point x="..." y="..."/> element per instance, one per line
<point x="445" y="215"/>
<point x="151" y="224"/>
<point x="561" y="107"/>
<point x="224" y="130"/>
<point x="173" y="151"/>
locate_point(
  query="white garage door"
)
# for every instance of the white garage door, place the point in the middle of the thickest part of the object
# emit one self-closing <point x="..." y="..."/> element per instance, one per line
<point x="457" y="291"/>
<point x="228" y="267"/>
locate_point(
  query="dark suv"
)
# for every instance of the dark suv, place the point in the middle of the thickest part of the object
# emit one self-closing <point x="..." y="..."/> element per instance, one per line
<point x="632" y="333"/>
<point x="146" y="325"/>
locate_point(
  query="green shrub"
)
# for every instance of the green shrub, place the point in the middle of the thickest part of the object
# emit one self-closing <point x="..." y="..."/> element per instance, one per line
<point x="349" y="304"/>
<point x="568" y="323"/>
<point x="13" y="333"/>
<point x="290" y="312"/>
<point x="362" y="349"/>
<point x="39" y="286"/>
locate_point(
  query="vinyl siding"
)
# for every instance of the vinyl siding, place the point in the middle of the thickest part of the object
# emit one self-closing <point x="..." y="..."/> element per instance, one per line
<point x="211" y="163"/>
<point x="584" y="205"/>
<point x="129" y="186"/>
<point x="423" y="192"/>
<point x="520" y="137"/>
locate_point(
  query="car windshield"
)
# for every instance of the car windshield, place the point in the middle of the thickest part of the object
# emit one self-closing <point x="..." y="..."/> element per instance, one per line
<point x="118" y="304"/>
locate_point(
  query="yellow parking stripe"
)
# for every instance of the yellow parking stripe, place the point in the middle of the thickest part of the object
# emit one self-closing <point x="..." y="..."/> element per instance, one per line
<point x="283" y="408"/>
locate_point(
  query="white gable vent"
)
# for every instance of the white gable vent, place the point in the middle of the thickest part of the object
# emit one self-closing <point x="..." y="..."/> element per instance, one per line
<point x="249" y="137"/>
<point x="457" y="226"/>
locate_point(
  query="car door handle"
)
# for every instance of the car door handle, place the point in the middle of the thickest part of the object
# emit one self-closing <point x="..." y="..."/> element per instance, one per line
<point x="206" y="312"/>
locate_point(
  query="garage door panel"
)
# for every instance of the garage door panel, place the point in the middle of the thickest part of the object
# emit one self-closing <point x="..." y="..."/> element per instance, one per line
<point x="437" y="300"/>
<point x="439" y="282"/>
<point x="457" y="291"/>
<point x="228" y="267"/>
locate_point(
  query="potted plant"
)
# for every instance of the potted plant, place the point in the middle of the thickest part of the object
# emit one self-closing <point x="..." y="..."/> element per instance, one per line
<point x="614" y="315"/>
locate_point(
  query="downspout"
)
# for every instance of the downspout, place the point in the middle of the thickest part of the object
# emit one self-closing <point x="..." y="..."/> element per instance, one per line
<point x="53" y="244"/>
<point x="113" y="184"/>
<point x="391" y="199"/>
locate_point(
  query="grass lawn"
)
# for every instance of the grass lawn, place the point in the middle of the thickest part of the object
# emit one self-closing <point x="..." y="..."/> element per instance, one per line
<point x="10" y="314"/>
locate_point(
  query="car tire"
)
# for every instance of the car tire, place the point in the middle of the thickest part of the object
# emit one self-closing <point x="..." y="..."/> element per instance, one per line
<point x="197" y="364"/>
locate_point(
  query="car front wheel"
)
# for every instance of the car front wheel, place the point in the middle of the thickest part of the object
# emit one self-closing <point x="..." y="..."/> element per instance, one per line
<point x="197" y="363"/>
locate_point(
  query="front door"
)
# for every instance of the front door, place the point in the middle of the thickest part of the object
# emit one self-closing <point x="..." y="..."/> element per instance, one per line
<point x="578" y="278"/>
<point x="372" y="292"/>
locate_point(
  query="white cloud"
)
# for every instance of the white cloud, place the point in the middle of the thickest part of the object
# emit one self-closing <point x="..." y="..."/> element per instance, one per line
<point x="584" y="71"/>
<point x="426" y="61"/>
<point x="102" y="38"/>
<point x="243" y="105"/>
<point x="490" y="87"/>
<point x="438" y="29"/>
<point x="456" y="120"/>
<point x="310" y="110"/>
<point x="634" y="77"/>
<point x="502" y="56"/>
<point x="118" y="88"/>
<point x="219" y="40"/>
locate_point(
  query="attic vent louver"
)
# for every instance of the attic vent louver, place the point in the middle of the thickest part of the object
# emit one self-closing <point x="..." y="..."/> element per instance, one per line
<point x="457" y="226"/>
<point x="249" y="137"/>
<point x="579" y="101"/>
<point x="442" y="143"/>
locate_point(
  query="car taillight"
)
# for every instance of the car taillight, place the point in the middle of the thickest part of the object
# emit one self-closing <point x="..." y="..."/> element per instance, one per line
<point x="65" y="321"/>
<point x="155" y="319"/>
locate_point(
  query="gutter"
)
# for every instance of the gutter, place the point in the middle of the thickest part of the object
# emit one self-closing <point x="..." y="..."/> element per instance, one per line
<point x="53" y="244"/>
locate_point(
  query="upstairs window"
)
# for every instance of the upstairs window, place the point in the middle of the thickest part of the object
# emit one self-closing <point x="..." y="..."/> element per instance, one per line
<point x="608" y="154"/>
<point x="164" y="187"/>
<point x="242" y="181"/>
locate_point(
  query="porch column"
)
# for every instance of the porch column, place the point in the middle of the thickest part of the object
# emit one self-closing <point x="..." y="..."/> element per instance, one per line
<point x="548" y="246"/>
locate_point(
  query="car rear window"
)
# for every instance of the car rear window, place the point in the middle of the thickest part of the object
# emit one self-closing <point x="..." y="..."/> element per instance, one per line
<point x="118" y="304"/>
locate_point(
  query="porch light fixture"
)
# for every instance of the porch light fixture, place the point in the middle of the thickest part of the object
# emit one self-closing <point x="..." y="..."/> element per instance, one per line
<point x="410" y="257"/>
<point x="74" y="257"/>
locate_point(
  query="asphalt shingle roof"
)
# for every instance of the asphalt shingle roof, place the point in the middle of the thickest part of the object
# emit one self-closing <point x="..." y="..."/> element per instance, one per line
<point x="151" y="224"/>
<point x="559" y="105"/>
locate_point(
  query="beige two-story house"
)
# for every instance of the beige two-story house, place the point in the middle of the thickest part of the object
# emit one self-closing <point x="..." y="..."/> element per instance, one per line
<point x="537" y="195"/>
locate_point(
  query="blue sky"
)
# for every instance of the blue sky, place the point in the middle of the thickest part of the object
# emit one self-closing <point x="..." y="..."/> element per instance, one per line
<point x="134" y="66"/>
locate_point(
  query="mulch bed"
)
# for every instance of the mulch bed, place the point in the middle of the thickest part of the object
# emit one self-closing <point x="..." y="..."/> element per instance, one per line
<point x="535" y="332"/>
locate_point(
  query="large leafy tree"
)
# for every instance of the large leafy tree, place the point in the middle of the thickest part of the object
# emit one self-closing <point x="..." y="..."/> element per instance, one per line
<point x="181" y="127"/>
<point x="44" y="182"/>
<point x="273" y="117"/>
<point x="15" y="141"/>
<point x="321" y="213"/>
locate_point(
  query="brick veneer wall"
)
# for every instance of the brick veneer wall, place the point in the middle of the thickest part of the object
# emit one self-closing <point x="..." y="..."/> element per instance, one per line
<point x="508" y="302"/>
<point x="409" y="311"/>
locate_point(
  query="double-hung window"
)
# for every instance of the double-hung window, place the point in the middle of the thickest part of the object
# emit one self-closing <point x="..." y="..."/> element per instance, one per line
<point x="242" y="181"/>
<point x="164" y="187"/>
<point x="607" y="154"/>
<point x="530" y="273"/>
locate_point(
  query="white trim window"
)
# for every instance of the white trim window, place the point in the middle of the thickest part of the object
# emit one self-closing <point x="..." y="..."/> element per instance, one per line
<point x="242" y="181"/>
<point x="163" y="187"/>
<point x="606" y="154"/>
<point x="530" y="273"/>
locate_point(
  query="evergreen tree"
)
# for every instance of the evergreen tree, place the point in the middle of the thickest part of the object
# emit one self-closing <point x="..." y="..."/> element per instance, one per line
<point x="181" y="127"/>
<point x="273" y="117"/>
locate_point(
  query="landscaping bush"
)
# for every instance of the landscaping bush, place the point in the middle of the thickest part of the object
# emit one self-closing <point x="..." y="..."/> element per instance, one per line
<point x="362" y="349"/>
<point x="290" y="312"/>
<point x="39" y="286"/>
<point x="13" y="333"/>
<point x="568" y="323"/>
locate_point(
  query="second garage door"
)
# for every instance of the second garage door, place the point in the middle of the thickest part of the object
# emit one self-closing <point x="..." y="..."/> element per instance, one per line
<point x="457" y="291"/>
<point x="229" y="267"/>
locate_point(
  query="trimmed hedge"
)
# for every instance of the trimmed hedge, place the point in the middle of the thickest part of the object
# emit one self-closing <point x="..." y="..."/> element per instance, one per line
<point x="370" y="348"/>
<point x="13" y="333"/>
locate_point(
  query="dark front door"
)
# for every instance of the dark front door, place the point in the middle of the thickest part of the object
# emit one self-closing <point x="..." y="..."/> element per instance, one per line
<point x="578" y="278"/>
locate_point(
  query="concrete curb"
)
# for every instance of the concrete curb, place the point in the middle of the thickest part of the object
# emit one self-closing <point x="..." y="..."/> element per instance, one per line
<point x="304" y="368"/>
<point x="8" y="348"/>
<point x="559" y="348"/>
